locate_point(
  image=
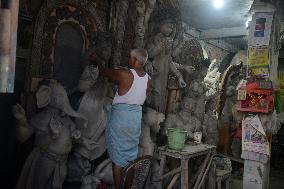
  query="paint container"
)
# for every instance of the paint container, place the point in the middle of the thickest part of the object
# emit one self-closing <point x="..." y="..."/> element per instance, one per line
<point x="176" y="138"/>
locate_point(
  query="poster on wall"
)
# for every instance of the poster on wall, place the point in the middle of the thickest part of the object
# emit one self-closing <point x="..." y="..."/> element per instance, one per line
<point x="262" y="72"/>
<point x="258" y="56"/>
<point x="258" y="61"/>
<point x="253" y="136"/>
<point x="260" y="29"/>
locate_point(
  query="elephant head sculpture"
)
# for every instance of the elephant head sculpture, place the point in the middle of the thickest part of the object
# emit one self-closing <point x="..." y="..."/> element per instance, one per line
<point x="51" y="93"/>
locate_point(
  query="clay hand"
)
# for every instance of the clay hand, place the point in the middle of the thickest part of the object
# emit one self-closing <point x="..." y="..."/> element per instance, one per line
<point x="140" y="7"/>
<point x="181" y="83"/>
<point x="19" y="112"/>
<point x="76" y="134"/>
<point x="89" y="144"/>
<point x="160" y="118"/>
<point x="189" y="69"/>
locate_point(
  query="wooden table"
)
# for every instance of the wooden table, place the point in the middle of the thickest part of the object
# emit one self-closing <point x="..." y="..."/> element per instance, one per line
<point x="189" y="151"/>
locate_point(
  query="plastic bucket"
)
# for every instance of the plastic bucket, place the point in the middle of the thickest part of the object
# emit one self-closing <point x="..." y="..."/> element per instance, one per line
<point x="176" y="138"/>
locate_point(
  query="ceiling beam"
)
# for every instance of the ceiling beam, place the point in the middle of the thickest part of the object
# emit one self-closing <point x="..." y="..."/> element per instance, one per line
<point x="218" y="43"/>
<point x="223" y="33"/>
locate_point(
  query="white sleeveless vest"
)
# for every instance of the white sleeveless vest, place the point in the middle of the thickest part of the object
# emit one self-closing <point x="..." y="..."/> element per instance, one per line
<point x="137" y="92"/>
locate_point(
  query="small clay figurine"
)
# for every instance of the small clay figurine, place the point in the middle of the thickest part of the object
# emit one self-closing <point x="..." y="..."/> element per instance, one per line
<point x="185" y="119"/>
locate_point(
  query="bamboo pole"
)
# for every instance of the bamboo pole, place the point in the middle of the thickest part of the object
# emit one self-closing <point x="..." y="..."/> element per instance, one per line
<point x="8" y="46"/>
<point x="14" y="8"/>
<point x="5" y="50"/>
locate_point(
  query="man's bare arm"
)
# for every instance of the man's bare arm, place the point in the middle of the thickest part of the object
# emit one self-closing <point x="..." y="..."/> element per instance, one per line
<point x="115" y="75"/>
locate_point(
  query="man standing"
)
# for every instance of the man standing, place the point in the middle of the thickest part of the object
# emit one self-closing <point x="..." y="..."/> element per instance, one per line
<point x="124" y="123"/>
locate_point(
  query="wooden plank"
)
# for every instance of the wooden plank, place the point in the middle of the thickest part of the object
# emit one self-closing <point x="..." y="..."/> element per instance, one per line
<point x="223" y="33"/>
<point x="204" y="165"/>
<point x="172" y="172"/>
<point x="189" y="150"/>
<point x="173" y="181"/>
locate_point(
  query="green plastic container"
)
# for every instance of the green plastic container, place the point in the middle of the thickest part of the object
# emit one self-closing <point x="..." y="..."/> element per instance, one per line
<point x="176" y="138"/>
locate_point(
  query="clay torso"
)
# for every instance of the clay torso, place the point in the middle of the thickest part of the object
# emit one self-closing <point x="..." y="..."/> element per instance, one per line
<point x="159" y="82"/>
<point x="160" y="49"/>
<point x="92" y="106"/>
<point x="60" y="143"/>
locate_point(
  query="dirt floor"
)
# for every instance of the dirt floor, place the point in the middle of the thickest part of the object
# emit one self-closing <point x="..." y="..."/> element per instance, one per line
<point x="276" y="180"/>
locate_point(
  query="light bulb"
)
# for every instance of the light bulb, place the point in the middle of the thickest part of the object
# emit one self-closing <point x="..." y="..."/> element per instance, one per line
<point x="218" y="3"/>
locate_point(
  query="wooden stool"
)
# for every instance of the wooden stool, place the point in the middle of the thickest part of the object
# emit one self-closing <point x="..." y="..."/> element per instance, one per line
<point x="222" y="175"/>
<point x="188" y="152"/>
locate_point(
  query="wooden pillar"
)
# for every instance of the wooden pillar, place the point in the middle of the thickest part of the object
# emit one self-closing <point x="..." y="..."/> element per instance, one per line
<point x="184" y="183"/>
<point x="256" y="170"/>
<point x="8" y="46"/>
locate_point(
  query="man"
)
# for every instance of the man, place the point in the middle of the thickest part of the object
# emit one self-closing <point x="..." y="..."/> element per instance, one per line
<point x="124" y="124"/>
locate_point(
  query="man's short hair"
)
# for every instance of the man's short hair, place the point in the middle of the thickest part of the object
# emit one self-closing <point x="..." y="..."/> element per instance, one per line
<point x="140" y="54"/>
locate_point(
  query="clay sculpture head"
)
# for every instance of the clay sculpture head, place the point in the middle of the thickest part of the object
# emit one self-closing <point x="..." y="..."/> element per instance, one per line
<point x="102" y="45"/>
<point x="166" y="18"/>
<point x="197" y="89"/>
<point x="167" y="27"/>
<point x="100" y="53"/>
<point x="188" y="104"/>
